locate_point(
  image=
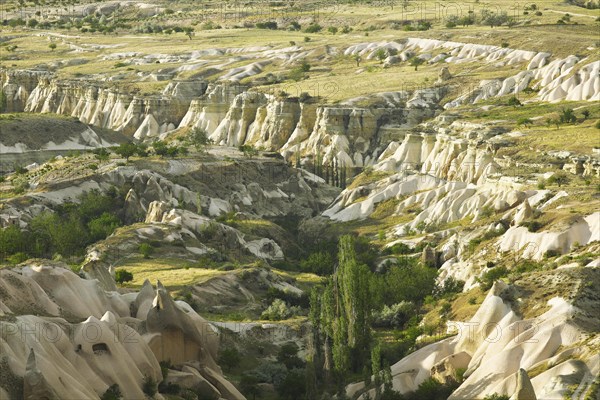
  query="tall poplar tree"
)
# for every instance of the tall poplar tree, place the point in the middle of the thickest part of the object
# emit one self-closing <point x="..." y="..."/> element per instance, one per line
<point x="345" y="312"/>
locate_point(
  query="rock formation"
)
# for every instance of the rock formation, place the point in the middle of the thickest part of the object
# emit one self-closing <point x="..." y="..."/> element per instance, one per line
<point x="118" y="339"/>
<point x="234" y="114"/>
<point x="524" y="388"/>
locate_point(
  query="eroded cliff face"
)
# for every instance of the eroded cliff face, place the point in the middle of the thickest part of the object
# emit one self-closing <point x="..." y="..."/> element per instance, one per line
<point x="231" y="114"/>
<point x="98" y="105"/>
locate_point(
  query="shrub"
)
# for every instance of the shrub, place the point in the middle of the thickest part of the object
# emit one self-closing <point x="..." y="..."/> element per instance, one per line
<point x="313" y="28"/>
<point x="21" y="170"/>
<point x="149" y="386"/>
<point x="431" y="389"/>
<point x="567" y="116"/>
<point x="304" y="66"/>
<point x="489" y="277"/>
<point x="306" y="39"/>
<point x="101" y="154"/>
<point x="526" y="122"/>
<point x="270" y="372"/>
<point x="532" y="226"/>
<point x="146" y="250"/>
<point x="289" y="297"/>
<point x="304" y="97"/>
<point x="296" y="75"/>
<point x="597" y="124"/>
<point x="394" y="316"/>
<point x="122" y="276"/>
<point x="248" y="150"/>
<point x="20" y="187"/>
<point x="514" y="102"/>
<point x="279" y="310"/>
<point x="541" y="184"/>
<point x="409" y="281"/>
<point x="17" y="258"/>
<point x="496" y="396"/>
<point x="552" y="253"/>
<point x="380" y="54"/>
<point x="112" y="393"/>
<point x="267" y="25"/>
<point x="320" y="263"/>
<point x="450" y="285"/>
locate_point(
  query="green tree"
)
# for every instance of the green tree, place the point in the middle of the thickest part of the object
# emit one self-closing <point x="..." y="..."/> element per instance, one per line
<point x="320" y="263"/>
<point x="126" y="150"/>
<point x="348" y="309"/>
<point x="248" y="150"/>
<point x="189" y="31"/>
<point x="304" y="66"/>
<point x="559" y="178"/>
<point x="567" y="116"/>
<point x="293" y="385"/>
<point x="160" y="148"/>
<point x="415" y="62"/>
<point x="103" y="226"/>
<point x="376" y="367"/>
<point x="52" y="46"/>
<point x="12" y="240"/>
<point x="249" y="385"/>
<point x="122" y="276"/>
<point x="229" y="358"/>
<point x="3" y="101"/>
<point x="288" y="356"/>
<point x="69" y="235"/>
<point x="198" y="138"/>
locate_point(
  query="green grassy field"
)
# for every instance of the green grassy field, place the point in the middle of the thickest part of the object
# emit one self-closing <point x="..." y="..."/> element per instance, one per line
<point x="329" y="76"/>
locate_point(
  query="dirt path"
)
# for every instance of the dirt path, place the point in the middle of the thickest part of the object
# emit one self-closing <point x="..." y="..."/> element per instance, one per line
<point x="573" y="14"/>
